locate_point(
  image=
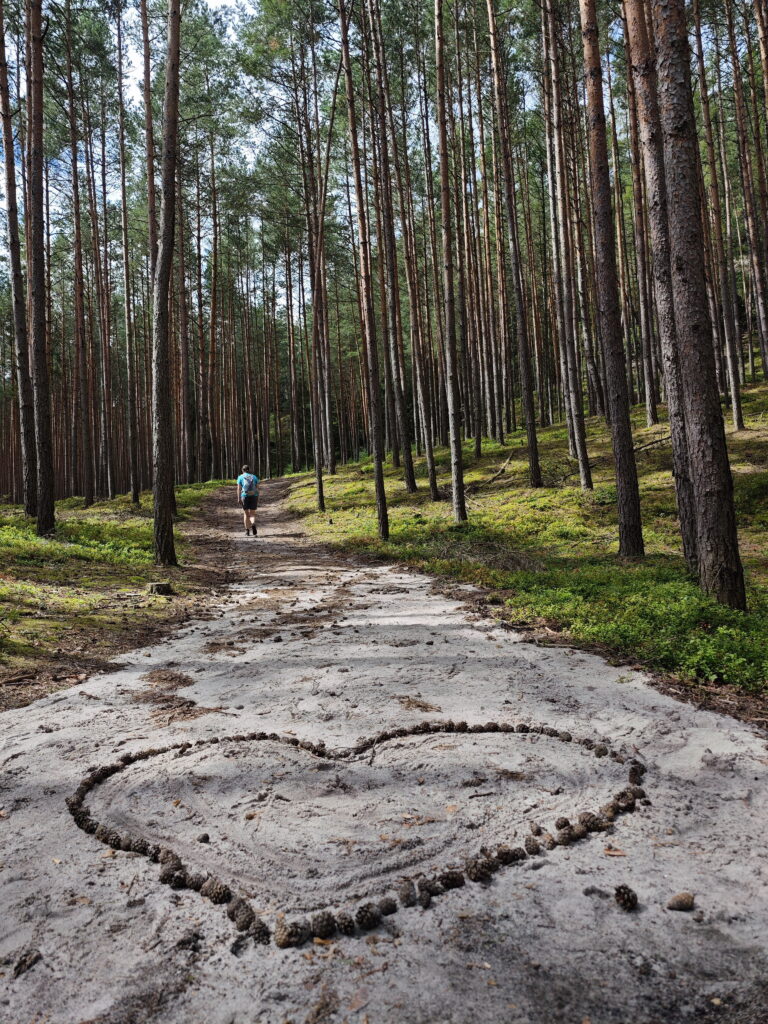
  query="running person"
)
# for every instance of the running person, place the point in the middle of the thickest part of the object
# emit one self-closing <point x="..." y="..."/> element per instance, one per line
<point x="248" y="498"/>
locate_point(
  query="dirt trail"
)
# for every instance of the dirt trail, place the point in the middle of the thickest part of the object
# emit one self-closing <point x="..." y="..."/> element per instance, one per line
<point x="312" y="647"/>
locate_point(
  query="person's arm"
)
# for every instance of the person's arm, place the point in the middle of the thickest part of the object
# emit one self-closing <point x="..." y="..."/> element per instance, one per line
<point x="237" y="491"/>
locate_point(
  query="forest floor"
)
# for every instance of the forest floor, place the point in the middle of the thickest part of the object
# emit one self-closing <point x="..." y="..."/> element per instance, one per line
<point x="70" y="604"/>
<point x="547" y="558"/>
<point x="311" y="644"/>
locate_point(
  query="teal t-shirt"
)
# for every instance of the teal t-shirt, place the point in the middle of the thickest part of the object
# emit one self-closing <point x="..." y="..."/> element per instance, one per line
<point x="248" y="484"/>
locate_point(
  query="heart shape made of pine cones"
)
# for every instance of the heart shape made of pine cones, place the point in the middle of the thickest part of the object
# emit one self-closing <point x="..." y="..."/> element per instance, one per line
<point x="300" y="841"/>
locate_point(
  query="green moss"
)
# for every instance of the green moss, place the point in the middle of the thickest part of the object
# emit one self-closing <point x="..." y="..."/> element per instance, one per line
<point x="553" y="551"/>
<point x="88" y="579"/>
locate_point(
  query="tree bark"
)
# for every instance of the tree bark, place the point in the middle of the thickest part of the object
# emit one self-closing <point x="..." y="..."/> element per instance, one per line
<point x="18" y="299"/>
<point x="366" y="287"/>
<point x="133" y="461"/>
<point x="162" y="424"/>
<point x="643" y="70"/>
<point x="449" y="306"/>
<point x="46" y="483"/>
<point x="608" y="309"/>
<point x="521" y="317"/>
<point x="720" y="570"/>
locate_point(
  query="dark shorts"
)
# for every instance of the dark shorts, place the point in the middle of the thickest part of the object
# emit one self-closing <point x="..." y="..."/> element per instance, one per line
<point x="251" y="502"/>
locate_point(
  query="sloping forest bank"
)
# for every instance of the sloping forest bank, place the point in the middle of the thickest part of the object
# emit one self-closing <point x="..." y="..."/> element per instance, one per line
<point x="70" y="604"/>
<point x="548" y="556"/>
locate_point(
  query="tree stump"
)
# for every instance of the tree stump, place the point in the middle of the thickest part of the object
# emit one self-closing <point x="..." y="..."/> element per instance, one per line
<point x="164" y="589"/>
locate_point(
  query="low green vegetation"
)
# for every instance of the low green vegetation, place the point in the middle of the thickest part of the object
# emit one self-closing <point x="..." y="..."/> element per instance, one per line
<point x="78" y="594"/>
<point x="550" y="555"/>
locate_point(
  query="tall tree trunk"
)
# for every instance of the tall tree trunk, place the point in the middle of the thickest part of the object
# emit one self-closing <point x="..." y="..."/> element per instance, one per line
<point x="726" y="299"/>
<point x="18" y="299"/>
<point x="720" y="570"/>
<point x="149" y="139"/>
<point x="571" y="378"/>
<point x="451" y="360"/>
<point x="608" y="309"/>
<point x="521" y="318"/>
<point x="133" y="466"/>
<point x="46" y="521"/>
<point x="390" y="248"/>
<point x="643" y="69"/>
<point x="162" y="423"/>
<point x="366" y="286"/>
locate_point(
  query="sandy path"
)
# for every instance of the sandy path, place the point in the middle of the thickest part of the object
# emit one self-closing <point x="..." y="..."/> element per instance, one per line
<point x="316" y="647"/>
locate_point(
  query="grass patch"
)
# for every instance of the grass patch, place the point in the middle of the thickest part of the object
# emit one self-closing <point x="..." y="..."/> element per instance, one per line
<point x="78" y="593"/>
<point x="552" y="553"/>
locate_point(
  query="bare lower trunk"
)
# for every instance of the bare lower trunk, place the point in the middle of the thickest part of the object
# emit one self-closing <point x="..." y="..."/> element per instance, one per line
<point x="608" y="309"/>
<point x="720" y="571"/>
<point x="366" y="288"/>
<point x="643" y="69"/>
<point x="18" y="299"/>
<point x="46" y="521"/>
<point x="162" y="424"/>
<point x="451" y="360"/>
<point x="521" y="318"/>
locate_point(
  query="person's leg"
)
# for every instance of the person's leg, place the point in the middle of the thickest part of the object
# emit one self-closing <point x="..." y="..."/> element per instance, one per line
<point x="252" y="518"/>
<point x="246" y="524"/>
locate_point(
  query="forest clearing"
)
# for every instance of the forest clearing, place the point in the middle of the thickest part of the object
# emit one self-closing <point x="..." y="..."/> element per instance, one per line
<point x="383" y="512"/>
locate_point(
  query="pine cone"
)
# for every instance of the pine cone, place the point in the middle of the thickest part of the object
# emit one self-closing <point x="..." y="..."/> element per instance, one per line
<point x="368" y="916"/>
<point x="323" y="925"/>
<point x="510" y="855"/>
<point x="168" y="856"/>
<point x="241" y="913"/>
<point x="167" y="872"/>
<point x="102" y="833"/>
<point x="532" y="846"/>
<point x="196" y="882"/>
<point x="290" y="933"/>
<point x="477" y="869"/>
<point x="345" y="923"/>
<point x="424" y="899"/>
<point x="578" y="832"/>
<point x="636" y="773"/>
<point x="452" y="879"/>
<point x="600" y="750"/>
<point x="535" y="828"/>
<point x="387" y="906"/>
<point x="215" y="891"/>
<point x="548" y="841"/>
<point x="564" y="837"/>
<point x="591" y="822"/>
<point x="430" y="885"/>
<point x="626" y="897"/>
<point x="406" y="893"/>
<point x="610" y="810"/>
<point x="260" y="932"/>
<point x="562" y="823"/>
